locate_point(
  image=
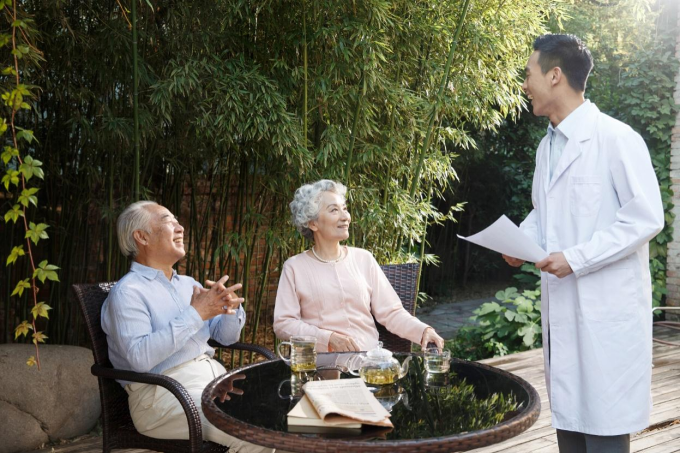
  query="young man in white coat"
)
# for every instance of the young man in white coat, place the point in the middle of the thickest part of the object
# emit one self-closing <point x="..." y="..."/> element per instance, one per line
<point x="596" y="205"/>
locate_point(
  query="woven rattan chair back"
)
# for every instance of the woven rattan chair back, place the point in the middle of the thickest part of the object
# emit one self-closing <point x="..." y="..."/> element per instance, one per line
<point x="118" y="429"/>
<point x="403" y="278"/>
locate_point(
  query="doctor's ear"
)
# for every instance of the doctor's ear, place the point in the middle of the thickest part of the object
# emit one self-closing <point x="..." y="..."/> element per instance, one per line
<point x="556" y="75"/>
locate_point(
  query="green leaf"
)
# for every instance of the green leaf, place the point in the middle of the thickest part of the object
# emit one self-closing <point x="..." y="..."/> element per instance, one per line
<point x="22" y="329"/>
<point x="25" y="134"/>
<point x="11" y="177"/>
<point x="21" y="286"/>
<point x="15" y="254"/>
<point x="37" y="232"/>
<point x="488" y="307"/>
<point x="8" y="153"/>
<point x="31" y="167"/>
<point x="525" y="306"/>
<point x="41" y="309"/>
<point x="46" y="271"/>
<point x="28" y="196"/>
<point x="510" y="315"/>
<point x="14" y="214"/>
<point x="39" y="337"/>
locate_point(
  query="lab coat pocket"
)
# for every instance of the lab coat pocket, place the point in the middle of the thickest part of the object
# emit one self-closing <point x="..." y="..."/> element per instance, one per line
<point x="608" y="295"/>
<point x="585" y="195"/>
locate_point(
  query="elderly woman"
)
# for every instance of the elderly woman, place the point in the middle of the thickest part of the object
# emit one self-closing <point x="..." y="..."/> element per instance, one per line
<point x="331" y="291"/>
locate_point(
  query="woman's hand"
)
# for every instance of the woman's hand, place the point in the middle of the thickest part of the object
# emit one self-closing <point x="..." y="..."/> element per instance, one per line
<point x="430" y="336"/>
<point x="341" y="343"/>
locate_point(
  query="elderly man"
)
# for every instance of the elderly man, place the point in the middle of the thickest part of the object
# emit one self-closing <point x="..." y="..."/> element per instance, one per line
<point x="158" y="321"/>
<point x="596" y="206"/>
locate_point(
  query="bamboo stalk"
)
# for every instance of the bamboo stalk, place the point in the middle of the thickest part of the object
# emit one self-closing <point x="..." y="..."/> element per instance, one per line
<point x="135" y="101"/>
<point x="361" y="92"/>
<point x="438" y="100"/>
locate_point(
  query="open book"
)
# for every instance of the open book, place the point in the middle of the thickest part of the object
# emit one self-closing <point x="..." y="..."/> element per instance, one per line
<point x="338" y="403"/>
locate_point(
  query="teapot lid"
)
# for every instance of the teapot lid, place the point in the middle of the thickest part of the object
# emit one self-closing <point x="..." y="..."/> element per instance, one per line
<point x="379" y="353"/>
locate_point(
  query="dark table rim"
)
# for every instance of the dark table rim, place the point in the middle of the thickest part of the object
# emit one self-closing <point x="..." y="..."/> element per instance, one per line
<point x="296" y="442"/>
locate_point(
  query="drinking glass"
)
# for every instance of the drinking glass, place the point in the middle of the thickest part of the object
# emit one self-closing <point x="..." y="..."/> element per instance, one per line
<point x="435" y="361"/>
<point x="302" y="354"/>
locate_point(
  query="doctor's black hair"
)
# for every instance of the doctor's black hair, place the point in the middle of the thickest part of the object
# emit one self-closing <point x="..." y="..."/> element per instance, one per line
<point x="568" y="53"/>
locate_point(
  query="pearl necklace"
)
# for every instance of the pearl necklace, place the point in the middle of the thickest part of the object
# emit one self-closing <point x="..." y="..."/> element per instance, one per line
<point x="327" y="261"/>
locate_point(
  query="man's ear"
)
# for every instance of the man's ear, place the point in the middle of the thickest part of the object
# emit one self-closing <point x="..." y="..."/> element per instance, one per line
<point x="140" y="237"/>
<point x="556" y="75"/>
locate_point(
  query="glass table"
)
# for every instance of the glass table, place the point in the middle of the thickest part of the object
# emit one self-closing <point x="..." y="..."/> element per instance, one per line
<point x="471" y="406"/>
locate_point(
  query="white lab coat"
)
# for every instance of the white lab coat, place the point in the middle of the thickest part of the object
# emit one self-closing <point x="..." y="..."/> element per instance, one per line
<point x="601" y="208"/>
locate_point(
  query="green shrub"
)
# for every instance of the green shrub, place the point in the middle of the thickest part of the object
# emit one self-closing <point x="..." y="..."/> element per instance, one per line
<point x="469" y="345"/>
<point x="513" y="325"/>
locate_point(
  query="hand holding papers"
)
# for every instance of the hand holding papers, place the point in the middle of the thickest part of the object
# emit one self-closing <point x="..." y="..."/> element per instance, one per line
<point x="505" y="237"/>
<point x="338" y="403"/>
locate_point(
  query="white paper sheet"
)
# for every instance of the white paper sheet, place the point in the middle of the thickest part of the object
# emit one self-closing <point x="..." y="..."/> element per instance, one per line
<point x="505" y="237"/>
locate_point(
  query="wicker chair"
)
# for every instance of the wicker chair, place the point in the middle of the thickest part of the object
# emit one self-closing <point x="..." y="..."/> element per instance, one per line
<point x="403" y="278"/>
<point x="119" y="431"/>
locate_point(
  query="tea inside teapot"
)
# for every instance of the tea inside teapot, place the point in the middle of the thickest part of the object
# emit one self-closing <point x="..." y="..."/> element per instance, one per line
<point x="380" y="368"/>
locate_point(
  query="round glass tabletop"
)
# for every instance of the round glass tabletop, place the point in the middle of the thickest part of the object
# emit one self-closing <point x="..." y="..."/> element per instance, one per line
<point x="469" y="406"/>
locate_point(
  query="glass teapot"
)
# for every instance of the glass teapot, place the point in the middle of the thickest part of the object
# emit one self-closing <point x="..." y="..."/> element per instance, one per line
<point x="378" y="367"/>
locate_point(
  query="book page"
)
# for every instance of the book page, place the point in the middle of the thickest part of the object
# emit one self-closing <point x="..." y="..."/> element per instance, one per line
<point x="304" y="414"/>
<point x="348" y="397"/>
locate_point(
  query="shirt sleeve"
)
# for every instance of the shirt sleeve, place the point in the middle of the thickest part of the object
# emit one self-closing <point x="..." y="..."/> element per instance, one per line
<point x="226" y="329"/>
<point x="388" y="309"/>
<point x="640" y="216"/>
<point x="127" y="322"/>
<point x="287" y="317"/>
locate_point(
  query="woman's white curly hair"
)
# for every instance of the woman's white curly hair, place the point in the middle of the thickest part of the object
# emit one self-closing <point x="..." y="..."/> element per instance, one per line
<point x="307" y="203"/>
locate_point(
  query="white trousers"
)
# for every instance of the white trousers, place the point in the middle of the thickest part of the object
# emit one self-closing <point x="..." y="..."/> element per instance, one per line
<point x="157" y="413"/>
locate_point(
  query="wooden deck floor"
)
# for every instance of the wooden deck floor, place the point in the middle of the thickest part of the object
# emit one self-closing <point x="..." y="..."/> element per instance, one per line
<point x="663" y="436"/>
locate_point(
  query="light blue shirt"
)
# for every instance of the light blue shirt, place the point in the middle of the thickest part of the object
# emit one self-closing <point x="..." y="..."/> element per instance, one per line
<point x="559" y="136"/>
<point x="151" y="326"/>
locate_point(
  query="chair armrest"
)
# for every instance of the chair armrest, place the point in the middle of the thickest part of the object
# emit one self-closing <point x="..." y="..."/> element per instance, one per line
<point x="245" y="347"/>
<point x="168" y="383"/>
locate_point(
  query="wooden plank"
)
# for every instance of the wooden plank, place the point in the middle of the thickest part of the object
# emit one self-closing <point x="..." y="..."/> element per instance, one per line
<point x="655" y="438"/>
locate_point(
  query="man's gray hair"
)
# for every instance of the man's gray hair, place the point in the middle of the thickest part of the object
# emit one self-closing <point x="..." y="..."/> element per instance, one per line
<point x="307" y="203"/>
<point x="134" y="217"/>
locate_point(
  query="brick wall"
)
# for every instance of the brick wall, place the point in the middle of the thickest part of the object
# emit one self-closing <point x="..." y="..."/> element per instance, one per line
<point x="673" y="273"/>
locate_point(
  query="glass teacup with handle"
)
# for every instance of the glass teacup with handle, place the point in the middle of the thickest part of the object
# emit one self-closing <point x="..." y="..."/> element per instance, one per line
<point x="302" y="360"/>
<point x="437" y="361"/>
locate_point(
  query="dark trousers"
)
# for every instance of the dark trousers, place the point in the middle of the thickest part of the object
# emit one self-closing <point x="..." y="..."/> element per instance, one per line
<point x="572" y="442"/>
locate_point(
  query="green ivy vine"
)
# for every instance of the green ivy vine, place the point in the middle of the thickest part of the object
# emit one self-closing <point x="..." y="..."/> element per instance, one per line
<point x="22" y="171"/>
